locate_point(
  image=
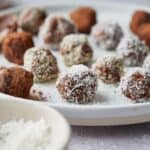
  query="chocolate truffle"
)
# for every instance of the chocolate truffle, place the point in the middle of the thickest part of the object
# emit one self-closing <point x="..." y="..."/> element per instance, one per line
<point x="15" y="45"/>
<point x="54" y="29"/>
<point x="8" y="24"/>
<point x="78" y="85"/>
<point x="144" y="33"/>
<point x="139" y="18"/>
<point x="133" y="51"/>
<point x="107" y="35"/>
<point x="146" y="64"/>
<point x="31" y="19"/>
<point x="109" y="69"/>
<point x="75" y="49"/>
<point x="136" y="85"/>
<point x="84" y="18"/>
<point x="16" y="81"/>
<point x="42" y="63"/>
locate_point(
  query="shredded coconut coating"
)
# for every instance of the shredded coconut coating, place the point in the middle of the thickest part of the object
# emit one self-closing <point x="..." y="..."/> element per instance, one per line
<point x="25" y="135"/>
<point x="78" y="85"/>
<point x="107" y="35"/>
<point x="41" y="63"/>
<point x="54" y="29"/>
<point x="75" y="49"/>
<point x="136" y="85"/>
<point x="133" y="51"/>
<point x="109" y="69"/>
<point x="146" y="64"/>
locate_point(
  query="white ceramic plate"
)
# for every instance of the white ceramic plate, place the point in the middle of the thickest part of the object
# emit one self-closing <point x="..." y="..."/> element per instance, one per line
<point x="109" y="106"/>
<point x="27" y="110"/>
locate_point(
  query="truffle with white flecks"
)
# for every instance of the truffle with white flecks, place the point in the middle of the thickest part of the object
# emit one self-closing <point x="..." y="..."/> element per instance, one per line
<point x="42" y="63"/>
<point x="146" y="64"/>
<point x="133" y="51"/>
<point x="54" y="29"/>
<point x="77" y="85"/>
<point x="31" y="19"/>
<point x="109" y="69"/>
<point x="75" y="49"/>
<point x="136" y="85"/>
<point x="107" y="35"/>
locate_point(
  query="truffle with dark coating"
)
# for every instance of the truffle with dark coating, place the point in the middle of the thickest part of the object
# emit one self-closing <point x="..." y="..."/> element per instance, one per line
<point x="84" y="18"/>
<point x="16" y="81"/>
<point x="15" y="45"/>
<point x="139" y="18"/>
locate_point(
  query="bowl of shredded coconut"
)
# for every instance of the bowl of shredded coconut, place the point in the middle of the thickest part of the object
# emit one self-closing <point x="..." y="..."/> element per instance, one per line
<point x="25" y="125"/>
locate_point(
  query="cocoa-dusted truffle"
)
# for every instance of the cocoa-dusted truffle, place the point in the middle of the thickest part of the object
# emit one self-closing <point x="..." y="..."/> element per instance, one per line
<point x="42" y="63"/>
<point x="144" y="33"/>
<point x="15" y="45"/>
<point x="31" y="19"/>
<point x="75" y="49"/>
<point x="136" y="85"/>
<point x="78" y="85"/>
<point x="54" y="29"/>
<point x="146" y="64"/>
<point x="107" y="35"/>
<point x="133" y="51"/>
<point x="84" y="18"/>
<point x="15" y="81"/>
<point x="109" y="69"/>
<point x="139" y="18"/>
<point x="8" y="24"/>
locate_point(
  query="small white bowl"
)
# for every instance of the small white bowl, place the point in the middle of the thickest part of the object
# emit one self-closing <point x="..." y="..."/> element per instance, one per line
<point x="27" y="110"/>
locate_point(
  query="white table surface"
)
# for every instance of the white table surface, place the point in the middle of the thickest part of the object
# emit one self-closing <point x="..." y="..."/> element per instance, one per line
<point x="133" y="137"/>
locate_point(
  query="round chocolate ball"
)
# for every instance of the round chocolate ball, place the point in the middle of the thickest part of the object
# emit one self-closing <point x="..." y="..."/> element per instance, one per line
<point x="78" y="85"/>
<point x="31" y="19"/>
<point x="75" y="49"/>
<point x="107" y="35"/>
<point x="136" y="85"/>
<point x="109" y="69"/>
<point x="42" y="63"/>
<point x="133" y="51"/>
<point x="54" y="29"/>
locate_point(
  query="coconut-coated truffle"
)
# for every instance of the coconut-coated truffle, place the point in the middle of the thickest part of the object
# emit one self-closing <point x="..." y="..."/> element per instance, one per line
<point x="109" y="69"/>
<point x="16" y="81"/>
<point x="54" y="29"/>
<point x="84" y="18"/>
<point x="146" y="64"/>
<point x="15" y="45"/>
<point x="42" y="63"/>
<point x="133" y="51"/>
<point x="107" y="35"/>
<point x="139" y="18"/>
<point x="77" y="85"/>
<point x="8" y="24"/>
<point x="75" y="49"/>
<point x="31" y="19"/>
<point x="136" y="85"/>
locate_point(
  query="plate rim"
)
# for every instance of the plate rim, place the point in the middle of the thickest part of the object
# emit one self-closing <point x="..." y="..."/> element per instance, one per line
<point x="87" y="108"/>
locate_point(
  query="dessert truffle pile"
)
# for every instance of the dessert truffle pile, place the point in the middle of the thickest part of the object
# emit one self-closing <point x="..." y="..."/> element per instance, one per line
<point x="37" y="42"/>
